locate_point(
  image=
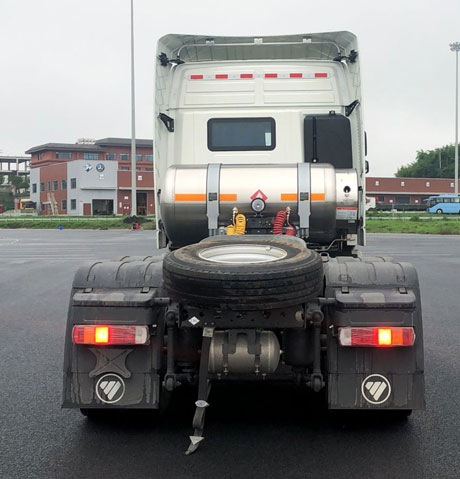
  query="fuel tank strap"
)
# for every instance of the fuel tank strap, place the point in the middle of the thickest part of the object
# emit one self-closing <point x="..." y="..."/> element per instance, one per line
<point x="303" y="198"/>
<point x="212" y="197"/>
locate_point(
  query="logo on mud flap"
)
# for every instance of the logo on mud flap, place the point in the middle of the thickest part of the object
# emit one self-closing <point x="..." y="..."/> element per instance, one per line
<point x="110" y="388"/>
<point x="376" y="389"/>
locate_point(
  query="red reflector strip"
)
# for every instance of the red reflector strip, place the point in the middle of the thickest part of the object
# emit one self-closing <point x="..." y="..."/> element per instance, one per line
<point x="196" y="77"/>
<point x="295" y="75"/>
<point x="104" y="334"/>
<point x="384" y="336"/>
<point x="246" y="75"/>
<point x="320" y="75"/>
<point x="221" y="77"/>
<point x="271" y="75"/>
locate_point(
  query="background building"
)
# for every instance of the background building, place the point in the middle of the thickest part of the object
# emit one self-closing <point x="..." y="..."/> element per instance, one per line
<point x="91" y="177"/>
<point x="14" y="165"/>
<point x="406" y="191"/>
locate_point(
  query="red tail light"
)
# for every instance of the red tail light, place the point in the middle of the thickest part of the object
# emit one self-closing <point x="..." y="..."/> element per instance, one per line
<point x="110" y="335"/>
<point x="383" y="336"/>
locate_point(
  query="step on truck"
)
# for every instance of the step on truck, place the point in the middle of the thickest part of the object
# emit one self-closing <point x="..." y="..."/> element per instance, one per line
<point x="259" y="275"/>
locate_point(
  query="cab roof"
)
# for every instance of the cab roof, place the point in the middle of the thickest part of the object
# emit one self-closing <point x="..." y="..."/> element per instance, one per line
<point x="178" y="48"/>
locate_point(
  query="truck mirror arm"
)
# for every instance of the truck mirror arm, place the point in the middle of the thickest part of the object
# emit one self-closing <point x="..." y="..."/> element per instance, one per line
<point x="168" y="121"/>
<point x="349" y="108"/>
<point x="350" y="58"/>
<point x="165" y="61"/>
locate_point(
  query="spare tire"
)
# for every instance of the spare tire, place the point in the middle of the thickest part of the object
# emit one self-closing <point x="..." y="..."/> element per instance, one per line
<point x="244" y="273"/>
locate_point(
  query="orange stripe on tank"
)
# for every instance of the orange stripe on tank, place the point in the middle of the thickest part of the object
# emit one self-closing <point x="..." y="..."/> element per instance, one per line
<point x="228" y="197"/>
<point x="318" y="196"/>
<point x="293" y="197"/>
<point x="288" y="196"/>
<point x="190" y="197"/>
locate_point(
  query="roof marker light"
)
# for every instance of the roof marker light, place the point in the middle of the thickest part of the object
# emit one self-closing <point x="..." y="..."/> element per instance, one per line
<point x="320" y="75"/>
<point x="295" y="75"/>
<point x="246" y="75"/>
<point x="221" y="76"/>
<point x="271" y="75"/>
<point x="196" y="77"/>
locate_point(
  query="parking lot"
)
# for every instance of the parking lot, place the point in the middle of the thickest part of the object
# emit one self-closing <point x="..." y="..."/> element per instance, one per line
<point x="250" y="433"/>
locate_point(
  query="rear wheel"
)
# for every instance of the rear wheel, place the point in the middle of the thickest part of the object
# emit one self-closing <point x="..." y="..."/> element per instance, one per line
<point x="439" y="211"/>
<point x="121" y="416"/>
<point x="369" y="417"/>
<point x="244" y="273"/>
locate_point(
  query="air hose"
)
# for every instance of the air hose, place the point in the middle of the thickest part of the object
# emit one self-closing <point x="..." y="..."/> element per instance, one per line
<point x="278" y="225"/>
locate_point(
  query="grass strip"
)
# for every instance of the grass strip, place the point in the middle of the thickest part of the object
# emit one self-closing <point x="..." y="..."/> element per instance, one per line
<point x="413" y="225"/>
<point x="116" y="223"/>
<point x="440" y="227"/>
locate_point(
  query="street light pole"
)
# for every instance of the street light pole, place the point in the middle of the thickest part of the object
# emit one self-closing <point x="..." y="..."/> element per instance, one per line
<point x="455" y="47"/>
<point x="133" y="123"/>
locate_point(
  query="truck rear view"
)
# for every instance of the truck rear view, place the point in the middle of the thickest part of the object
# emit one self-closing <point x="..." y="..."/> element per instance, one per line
<point x="260" y="199"/>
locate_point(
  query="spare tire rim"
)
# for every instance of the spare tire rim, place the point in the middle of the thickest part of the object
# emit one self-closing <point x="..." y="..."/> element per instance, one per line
<point x="242" y="254"/>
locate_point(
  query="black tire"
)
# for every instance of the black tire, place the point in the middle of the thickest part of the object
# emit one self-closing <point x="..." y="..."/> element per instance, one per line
<point x="395" y="415"/>
<point x="439" y="211"/>
<point x="370" y="417"/>
<point x="297" y="278"/>
<point x="121" y="416"/>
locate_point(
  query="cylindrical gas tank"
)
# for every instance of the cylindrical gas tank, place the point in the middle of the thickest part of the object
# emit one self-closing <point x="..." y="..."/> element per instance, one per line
<point x="244" y="352"/>
<point x="185" y="196"/>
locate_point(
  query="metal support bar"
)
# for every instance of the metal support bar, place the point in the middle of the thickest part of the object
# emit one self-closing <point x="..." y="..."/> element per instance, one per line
<point x="210" y="44"/>
<point x="204" y="387"/>
<point x="316" y="378"/>
<point x="171" y="315"/>
<point x="212" y="197"/>
<point x="303" y="198"/>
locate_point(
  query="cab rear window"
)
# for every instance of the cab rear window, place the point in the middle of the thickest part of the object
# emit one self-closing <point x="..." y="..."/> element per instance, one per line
<point x="241" y="134"/>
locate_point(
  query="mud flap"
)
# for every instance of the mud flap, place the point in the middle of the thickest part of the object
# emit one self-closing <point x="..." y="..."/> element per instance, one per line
<point x="374" y="292"/>
<point x="121" y="292"/>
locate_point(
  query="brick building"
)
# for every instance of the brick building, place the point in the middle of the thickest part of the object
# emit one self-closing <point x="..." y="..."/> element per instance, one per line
<point x="405" y="191"/>
<point x="89" y="178"/>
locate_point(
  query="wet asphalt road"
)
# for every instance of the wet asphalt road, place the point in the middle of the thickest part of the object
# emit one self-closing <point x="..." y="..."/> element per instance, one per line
<point x="265" y="433"/>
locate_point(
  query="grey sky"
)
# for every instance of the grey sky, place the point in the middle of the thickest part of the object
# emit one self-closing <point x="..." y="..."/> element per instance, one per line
<point x="64" y="64"/>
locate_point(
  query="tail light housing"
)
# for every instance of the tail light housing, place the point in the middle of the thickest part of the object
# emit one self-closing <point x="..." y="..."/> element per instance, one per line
<point x="101" y="334"/>
<point x="377" y="336"/>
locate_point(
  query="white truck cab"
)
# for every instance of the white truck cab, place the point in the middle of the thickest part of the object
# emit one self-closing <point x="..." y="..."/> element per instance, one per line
<point x="258" y="107"/>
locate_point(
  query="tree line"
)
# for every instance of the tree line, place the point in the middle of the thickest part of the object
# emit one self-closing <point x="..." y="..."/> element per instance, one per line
<point x="437" y="163"/>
